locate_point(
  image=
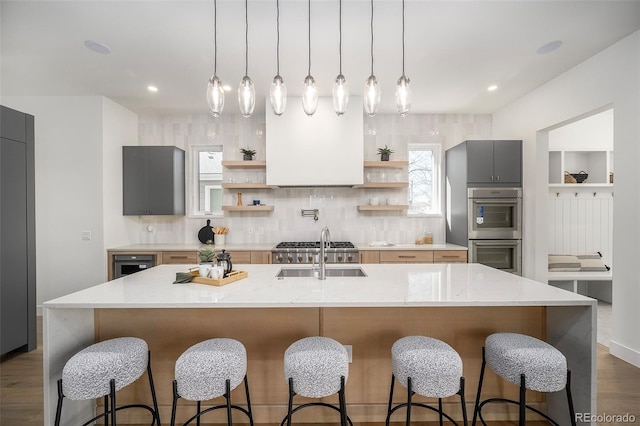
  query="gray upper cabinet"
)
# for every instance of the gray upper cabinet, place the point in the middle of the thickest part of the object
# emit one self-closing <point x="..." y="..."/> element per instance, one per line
<point x="496" y="163"/>
<point x="153" y="180"/>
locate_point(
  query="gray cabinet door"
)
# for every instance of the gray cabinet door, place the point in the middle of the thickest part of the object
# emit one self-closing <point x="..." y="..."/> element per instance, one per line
<point x="507" y="164"/>
<point x="480" y="161"/>
<point x="153" y="180"/>
<point x="13" y="245"/>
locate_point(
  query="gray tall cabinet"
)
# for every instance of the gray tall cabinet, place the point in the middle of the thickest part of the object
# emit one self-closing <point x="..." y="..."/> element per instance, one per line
<point x="17" y="232"/>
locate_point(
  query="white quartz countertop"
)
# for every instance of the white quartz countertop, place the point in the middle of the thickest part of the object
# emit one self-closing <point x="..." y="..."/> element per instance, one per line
<point x="385" y="286"/>
<point x="269" y="246"/>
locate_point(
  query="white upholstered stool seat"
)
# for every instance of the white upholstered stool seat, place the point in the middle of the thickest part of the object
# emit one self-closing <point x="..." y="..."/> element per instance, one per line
<point x="104" y="368"/>
<point x="316" y="367"/>
<point x="427" y="367"/>
<point x="208" y="370"/>
<point x="529" y="363"/>
<point x="510" y="355"/>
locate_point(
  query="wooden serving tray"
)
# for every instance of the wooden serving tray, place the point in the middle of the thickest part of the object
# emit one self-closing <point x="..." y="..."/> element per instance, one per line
<point x="233" y="276"/>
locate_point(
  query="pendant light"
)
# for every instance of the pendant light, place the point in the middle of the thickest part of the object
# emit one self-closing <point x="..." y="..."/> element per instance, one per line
<point x="403" y="90"/>
<point x="215" y="92"/>
<point x="310" y="90"/>
<point x="278" y="91"/>
<point x="371" y="86"/>
<point x="246" y="90"/>
<point x="340" y="86"/>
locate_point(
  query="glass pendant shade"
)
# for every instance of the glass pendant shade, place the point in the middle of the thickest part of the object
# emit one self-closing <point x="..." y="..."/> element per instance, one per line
<point x="372" y="94"/>
<point x="278" y="95"/>
<point x="215" y="96"/>
<point x="403" y="96"/>
<point x="310" y="96"/>
<point x="340" y="95"/>
<point x="246" y="96"/>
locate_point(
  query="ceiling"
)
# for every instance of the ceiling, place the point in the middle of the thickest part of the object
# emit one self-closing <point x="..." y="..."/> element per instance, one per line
<point x="454" y="49"/>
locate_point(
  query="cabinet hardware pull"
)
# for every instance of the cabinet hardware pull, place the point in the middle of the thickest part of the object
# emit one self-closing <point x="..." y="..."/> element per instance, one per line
<point x="408" y="257"/>
<point x="450" y="256"/>
<point x="178" y="257"/>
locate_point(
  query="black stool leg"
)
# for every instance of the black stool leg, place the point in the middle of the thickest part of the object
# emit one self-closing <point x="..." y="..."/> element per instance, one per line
<point x="409" y="394"/>
<point x="463" y="402"/>
<point x="290" y="409"/>
<point x="343" y="403"/>
<point x="112" y="386"/>
<point x="246" y="390"/>
<point x="198" y="410"/>
<point x="227" y="395"/>
<point x="440" y="410"/>
<point x="156" y="414"/>
<point x="59" y="407"/>
<point x="393" y="380"/>
<point x="523" y="391"/>
<point x="106" y="410"/>
<point x="174" y="406"/>
<point x="572" y="410"/>
<point x="475" y="409"/>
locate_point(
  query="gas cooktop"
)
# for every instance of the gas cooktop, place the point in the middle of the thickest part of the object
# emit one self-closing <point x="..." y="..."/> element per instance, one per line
<point x="312" y="244"/>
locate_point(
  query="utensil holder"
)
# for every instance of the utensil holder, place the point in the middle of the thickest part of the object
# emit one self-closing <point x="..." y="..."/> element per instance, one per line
<point x="219" y="239"/>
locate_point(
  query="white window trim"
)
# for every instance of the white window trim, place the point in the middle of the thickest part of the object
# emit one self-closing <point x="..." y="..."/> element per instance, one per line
<point x="437" y="177"/>
<point x="193" y="182"/>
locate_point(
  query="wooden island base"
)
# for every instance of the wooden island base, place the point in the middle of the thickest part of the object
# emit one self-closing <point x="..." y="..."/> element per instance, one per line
<point x="267" y="332"/>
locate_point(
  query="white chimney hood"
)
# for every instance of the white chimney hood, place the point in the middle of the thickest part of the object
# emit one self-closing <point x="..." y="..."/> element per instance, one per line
<point x="322" y="150"/>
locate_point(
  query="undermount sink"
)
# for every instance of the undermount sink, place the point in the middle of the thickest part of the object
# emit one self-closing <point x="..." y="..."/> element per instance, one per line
<point x="330" y="272"/>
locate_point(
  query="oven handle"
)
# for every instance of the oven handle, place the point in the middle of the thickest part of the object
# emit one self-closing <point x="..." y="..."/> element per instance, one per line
<point x="497" y="243"/>
<point x="493" y="201"/>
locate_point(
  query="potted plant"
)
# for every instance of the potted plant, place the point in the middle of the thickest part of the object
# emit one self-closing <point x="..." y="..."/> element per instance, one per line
<point x="247" y="154"/>
<point x="206" y="255"/>
<point x="385" y="153"/>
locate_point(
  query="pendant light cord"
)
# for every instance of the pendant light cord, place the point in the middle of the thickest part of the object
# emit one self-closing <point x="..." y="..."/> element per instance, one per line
<point x="309" y="20"/>
<point x="371" y="37"/>
<point x="215" y="36"/>
<point x="246" y="38"/>
<point x="403" y="37"/>
<point x="278" y="37"/>
<point x="340" y="47"/>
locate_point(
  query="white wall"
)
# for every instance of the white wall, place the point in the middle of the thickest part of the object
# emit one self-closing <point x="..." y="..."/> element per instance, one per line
<point x="68" y="166"/>
<point x="610" y="78"/>
<point x="120" y="127"/>
<point x="593" y="133"/>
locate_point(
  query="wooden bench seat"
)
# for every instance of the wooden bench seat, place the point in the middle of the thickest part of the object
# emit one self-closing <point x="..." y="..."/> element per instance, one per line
<point x="580" y="276"/>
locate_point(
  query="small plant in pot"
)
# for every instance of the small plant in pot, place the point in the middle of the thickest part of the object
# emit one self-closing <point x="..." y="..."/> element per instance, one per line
<point x="385" y="153"/>
<point x="206" y="255"/>
<point x="247" y="154"/>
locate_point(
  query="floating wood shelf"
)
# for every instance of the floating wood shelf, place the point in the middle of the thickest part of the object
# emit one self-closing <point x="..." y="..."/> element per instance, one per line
<point x="368" y="207"/>
<point x="387" y="164"/>
<point x="381" y="185"/>
<point x="247" y="208"/>
<point x="248" y="185"/>
<point x="253" y="164"/>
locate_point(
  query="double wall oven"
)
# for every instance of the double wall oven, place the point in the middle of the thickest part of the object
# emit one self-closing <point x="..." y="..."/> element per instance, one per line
<point x="494" y="227"/>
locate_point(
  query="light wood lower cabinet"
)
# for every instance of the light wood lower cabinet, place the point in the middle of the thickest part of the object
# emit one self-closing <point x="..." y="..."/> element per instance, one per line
<point x="413" y="256"/>
<point x="179" y="257"/>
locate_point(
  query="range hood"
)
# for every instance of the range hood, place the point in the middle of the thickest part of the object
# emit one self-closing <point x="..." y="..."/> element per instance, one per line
<point x="322" y="150"/>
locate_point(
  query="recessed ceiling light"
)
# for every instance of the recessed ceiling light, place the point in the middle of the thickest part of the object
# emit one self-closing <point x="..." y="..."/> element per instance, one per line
<point x="492" y="88"/>
<point x="97" y="47"/>
<point x="152" y="88"/>
<point x="549" y="47"/>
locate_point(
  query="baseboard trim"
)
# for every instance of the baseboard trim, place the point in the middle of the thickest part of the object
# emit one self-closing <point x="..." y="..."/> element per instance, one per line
<point x="624" y="353"/>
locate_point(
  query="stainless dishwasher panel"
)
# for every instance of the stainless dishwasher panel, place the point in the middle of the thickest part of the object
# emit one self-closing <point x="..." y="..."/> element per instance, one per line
<point x="126" y="264"/>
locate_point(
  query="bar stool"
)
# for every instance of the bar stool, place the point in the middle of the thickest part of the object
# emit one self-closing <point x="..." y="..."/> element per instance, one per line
<point x="427" y="367"/>
<point x="101" y="370"/>
<point x="527" y="362"/>
<point x="316" y="367"/>
<point x="208" y="370"/>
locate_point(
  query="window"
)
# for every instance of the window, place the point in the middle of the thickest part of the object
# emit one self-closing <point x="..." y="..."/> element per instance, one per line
<point x="205" y="162"/>
<point x="424" y="179"/>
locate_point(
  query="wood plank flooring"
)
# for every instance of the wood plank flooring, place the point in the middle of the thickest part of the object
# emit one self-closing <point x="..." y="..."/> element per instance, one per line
<point x="21" y="401"/>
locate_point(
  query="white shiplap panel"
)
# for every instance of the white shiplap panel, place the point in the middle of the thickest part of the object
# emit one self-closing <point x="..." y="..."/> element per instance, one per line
<point x="581" y="222"/>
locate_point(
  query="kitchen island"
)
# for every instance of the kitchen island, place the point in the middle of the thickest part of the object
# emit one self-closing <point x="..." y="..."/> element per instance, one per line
<point x="458" y="303"/>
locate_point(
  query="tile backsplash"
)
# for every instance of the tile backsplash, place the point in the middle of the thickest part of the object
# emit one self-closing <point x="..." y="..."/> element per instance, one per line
<point x="337" y="205"/>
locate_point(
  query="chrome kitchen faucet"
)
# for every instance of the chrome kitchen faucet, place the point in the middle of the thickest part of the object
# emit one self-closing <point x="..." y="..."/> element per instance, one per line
<point x="325" y="239"/>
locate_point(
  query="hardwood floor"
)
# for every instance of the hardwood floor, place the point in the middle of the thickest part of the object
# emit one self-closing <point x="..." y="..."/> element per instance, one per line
<point x="21" y="401"/>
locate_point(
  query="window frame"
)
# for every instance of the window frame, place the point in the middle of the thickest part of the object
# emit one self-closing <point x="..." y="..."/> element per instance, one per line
<point x="437" y="174"/>
<point x="194" y="182"/>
